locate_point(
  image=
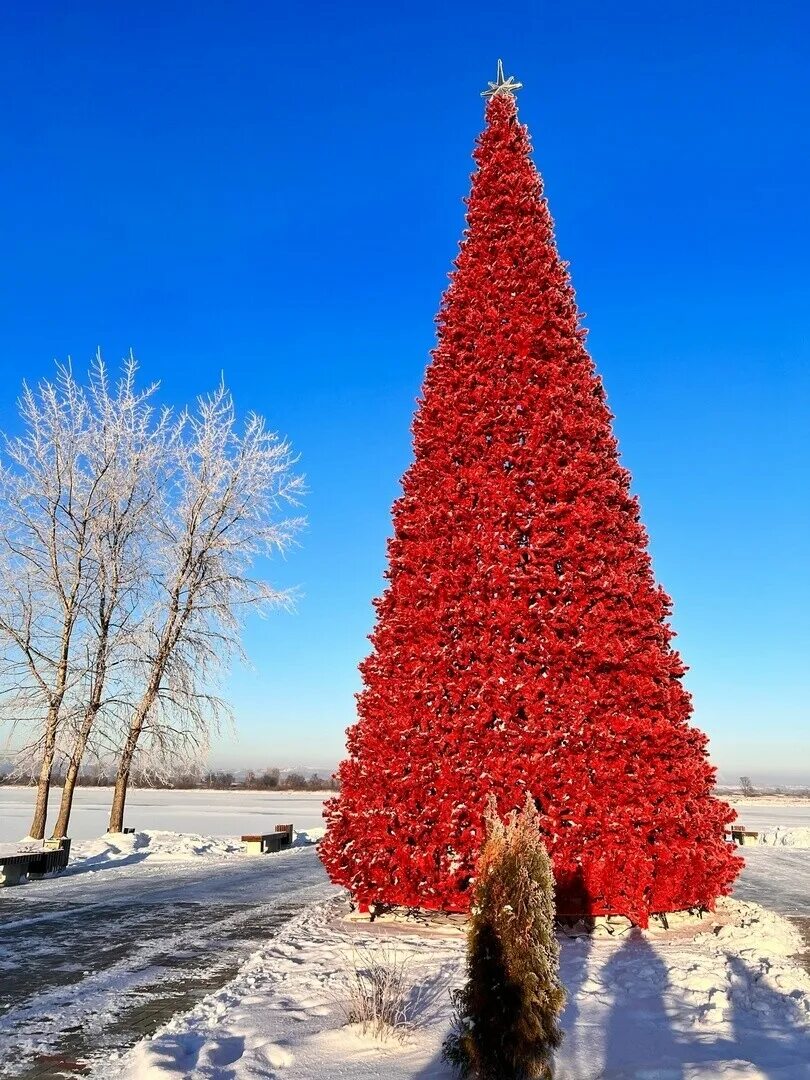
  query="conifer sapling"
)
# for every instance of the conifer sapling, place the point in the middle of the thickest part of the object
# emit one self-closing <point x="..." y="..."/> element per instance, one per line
<point x="507" y="1014"/>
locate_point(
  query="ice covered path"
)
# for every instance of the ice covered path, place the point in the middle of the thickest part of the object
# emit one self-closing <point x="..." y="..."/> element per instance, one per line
<point x="94" y="961"/>
<point x="777" y="878"/>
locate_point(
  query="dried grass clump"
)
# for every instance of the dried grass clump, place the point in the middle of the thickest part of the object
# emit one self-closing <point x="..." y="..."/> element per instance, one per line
<point x="379" y="999"/>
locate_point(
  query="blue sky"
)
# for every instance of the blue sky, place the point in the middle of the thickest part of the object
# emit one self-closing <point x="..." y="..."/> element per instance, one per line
<point x="274" y="191"/>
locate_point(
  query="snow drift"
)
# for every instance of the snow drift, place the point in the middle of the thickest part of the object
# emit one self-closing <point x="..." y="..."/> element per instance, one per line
<point x="785" y="836"/>
<point x="159" y="845"/>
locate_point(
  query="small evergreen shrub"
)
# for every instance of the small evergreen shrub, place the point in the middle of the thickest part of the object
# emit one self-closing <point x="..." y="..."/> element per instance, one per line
<point x="506" y="1016"/>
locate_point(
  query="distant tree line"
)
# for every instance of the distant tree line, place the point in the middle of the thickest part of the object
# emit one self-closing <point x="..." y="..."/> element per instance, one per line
<point x="272" y="779"/>
<point x="748" y="790"/>
<point x="216" y="780"/>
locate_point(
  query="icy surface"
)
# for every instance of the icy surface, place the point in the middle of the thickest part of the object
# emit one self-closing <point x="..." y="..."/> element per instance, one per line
<point x="231" y="813"/>
<point x="779" y="878"/>
<point x="728" y="1002"/>
<point x="134" y="931"/>
<point x="771" y="811"/>
<point x="212" y="813"/>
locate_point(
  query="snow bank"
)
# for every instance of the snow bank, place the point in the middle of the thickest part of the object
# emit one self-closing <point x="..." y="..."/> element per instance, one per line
<point x="157" y="845"/>
<point x="729" y="1002"/>
<point x="303" y="837"/>
<point x="24" y="845"/>
<point x="160" y="846"/>
<point x="784" y="836"/>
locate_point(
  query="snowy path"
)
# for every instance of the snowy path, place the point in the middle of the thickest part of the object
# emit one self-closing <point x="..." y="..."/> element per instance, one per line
<point x="93" y="961"/>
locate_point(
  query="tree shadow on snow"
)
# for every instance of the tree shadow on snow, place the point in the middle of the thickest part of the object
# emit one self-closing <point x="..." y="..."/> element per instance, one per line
<point x="575" y="935"/>
<point x="436" y="1069"/>
<point x="638" y="1032"/>
<point x="575" y="958"/>
<point x="768" y="1027"/>
<point x="97" y="863"/>
<point x="182" y="1055"/>
<point x="427" y="999"/>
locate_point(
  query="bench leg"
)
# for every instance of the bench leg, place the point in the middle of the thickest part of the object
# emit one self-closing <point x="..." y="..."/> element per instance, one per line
<point x="11" y="875"/>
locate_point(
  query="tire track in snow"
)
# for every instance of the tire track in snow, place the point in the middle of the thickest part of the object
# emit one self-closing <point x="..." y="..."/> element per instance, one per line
<point x="78" y="973"/>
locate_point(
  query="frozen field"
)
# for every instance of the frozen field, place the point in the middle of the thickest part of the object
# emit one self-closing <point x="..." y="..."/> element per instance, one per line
<point x="771" y="811"/>
<point x="231" y="813"/>
<point x="214" y="813"/>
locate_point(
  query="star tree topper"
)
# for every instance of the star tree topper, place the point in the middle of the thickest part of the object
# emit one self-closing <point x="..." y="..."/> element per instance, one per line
<point x="502" y="85"/>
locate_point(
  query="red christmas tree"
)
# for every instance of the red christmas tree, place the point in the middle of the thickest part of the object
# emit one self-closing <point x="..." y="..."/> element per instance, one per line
<point x="522" y="643"/>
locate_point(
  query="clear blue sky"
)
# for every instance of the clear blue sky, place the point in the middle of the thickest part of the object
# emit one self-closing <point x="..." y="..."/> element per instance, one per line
<point x="274" y="190"/>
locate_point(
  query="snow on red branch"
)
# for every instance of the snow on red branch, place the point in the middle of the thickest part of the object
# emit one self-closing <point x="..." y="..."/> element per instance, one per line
<point x="522" y="643"/>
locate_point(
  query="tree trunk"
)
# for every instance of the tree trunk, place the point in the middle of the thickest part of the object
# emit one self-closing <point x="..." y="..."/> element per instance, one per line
<point x="122" y="776"/>
<point x="49" y="749"/>
<point x="79" y="747"/>
<point x="37" y="830"/>
<point x="119" y="799"/>
<point x="66" y="805"/>
<point x="91" y="712"/>
<point x="169" y="639"/>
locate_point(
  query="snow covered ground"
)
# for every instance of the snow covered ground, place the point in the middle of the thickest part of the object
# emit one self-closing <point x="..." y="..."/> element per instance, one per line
<point x="725" y="1002"/>
<point x="138" y="928"/>
<point x="212" y="813"/>
<point x="146" y="927"/>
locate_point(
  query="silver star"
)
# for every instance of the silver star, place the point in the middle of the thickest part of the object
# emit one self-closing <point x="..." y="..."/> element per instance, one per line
<point x="502" y="85"/>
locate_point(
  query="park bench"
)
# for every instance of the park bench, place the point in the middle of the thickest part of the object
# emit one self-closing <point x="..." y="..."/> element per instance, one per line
<point x="34" y="862"/>
<point x="738" y="834"/>
<point x="267" y="843"/>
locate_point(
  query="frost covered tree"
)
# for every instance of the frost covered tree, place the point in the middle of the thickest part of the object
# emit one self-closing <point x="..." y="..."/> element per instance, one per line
<point x="507" y="1014"/>
<point x="126" y="555"/>
<point x="49" y="500"/>
<point x="220" y="514"/>
<point x="136" y="443"/>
